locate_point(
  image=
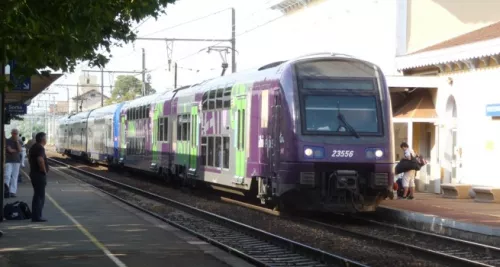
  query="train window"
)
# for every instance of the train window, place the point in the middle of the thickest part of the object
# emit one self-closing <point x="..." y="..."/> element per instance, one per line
<point x="218" y="100"/>
<point x="227" y="97"/>
<point x="210" y="151"/>
<point x="211" y="100"/>
<point x="205" y="101"/>
<point x="218" y="151"/>
<point x="165" y="129"/>
<point x="143" y="112"/>
<point x="203" y="151"/>
<point x="242" y="129"/>
<point x="160" y="130"/>
<point x="225" y="154"/>
<point x="137" y="113"/>
<point x="179" y="129"/>
<point x="148" y="109"/>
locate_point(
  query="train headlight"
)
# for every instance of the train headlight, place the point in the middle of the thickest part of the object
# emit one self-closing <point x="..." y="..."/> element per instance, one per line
<point x="311" y="152"/>
<point x="374" y="153"/>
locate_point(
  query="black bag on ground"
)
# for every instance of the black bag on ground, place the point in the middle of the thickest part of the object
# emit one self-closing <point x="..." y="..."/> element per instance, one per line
<point x="17" y="211"/>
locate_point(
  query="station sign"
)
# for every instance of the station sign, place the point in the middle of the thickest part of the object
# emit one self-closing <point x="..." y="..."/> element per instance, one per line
<point x="18" y="109"/>
<point x="19" y="84"/>
<point x="493" y="110"/>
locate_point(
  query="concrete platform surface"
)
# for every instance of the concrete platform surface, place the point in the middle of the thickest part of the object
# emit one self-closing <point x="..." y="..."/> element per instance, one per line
<point x="88" y="228"/>
<point x="439" y="214"/>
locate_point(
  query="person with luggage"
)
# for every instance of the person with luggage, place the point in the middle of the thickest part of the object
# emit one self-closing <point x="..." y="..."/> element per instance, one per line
<point x="408" y="179"/>
<point x="38" y="173"/>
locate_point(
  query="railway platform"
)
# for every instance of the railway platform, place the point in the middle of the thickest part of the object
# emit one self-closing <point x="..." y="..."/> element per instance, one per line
<point x="461" y="218"/>
<point x="88" y="228"/>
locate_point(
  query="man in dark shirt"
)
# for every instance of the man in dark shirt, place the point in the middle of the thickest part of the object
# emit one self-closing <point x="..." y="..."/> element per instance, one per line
<point x="38" y="174"/>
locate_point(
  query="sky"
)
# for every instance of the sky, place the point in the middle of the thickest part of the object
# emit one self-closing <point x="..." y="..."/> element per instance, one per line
<point x="212" y="20"/>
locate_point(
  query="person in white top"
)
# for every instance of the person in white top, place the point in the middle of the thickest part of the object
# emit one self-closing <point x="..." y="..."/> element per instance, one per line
<point x="408" y="176"/>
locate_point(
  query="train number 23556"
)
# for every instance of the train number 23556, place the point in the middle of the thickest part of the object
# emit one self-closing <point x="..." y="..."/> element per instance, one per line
<point x="342" y="153"/>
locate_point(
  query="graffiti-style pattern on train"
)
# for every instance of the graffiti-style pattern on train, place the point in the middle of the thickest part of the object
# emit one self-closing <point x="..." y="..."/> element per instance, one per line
<point x="314" y="132"/>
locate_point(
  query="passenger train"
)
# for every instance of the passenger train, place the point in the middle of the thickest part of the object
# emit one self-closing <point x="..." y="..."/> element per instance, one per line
<point x="312" y="133"/>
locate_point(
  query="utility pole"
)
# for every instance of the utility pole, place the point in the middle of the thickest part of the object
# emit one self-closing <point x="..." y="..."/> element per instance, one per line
<point x="77" y="97"/>
<point x="175" y="75"/>
<point x="143" y="72"/>
<point x="233" y="39"/>
<point x="102" y="87"/>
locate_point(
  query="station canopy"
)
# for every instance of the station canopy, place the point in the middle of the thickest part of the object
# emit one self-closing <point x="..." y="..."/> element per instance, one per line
<point x="38" y="84"/>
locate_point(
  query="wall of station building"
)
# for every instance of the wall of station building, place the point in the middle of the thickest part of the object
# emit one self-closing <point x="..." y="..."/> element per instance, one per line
<point x="362" y="28"/>
<point x="477" y="147"/>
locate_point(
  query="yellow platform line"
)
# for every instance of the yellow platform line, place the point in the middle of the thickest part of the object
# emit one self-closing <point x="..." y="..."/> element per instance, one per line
<point x="82" y="229"/>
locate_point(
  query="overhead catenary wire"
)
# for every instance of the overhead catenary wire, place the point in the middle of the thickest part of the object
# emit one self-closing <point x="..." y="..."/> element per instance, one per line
<point x="237" y="35"/>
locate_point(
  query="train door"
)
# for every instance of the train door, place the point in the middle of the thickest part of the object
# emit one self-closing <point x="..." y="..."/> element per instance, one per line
<point x="239" y="112"/>
<point x="123" y="136"/>
<point x="275" y="133"/>
<point x="193" y="140"/>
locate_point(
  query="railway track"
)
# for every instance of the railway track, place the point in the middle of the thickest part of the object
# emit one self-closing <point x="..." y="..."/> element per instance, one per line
<point x="454" y="251"/>
<point x="441" y="248"/>
<point x="253" y="245"/>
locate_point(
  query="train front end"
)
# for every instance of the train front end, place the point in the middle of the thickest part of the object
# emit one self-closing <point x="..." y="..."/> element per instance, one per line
<point x="338" y="127"/>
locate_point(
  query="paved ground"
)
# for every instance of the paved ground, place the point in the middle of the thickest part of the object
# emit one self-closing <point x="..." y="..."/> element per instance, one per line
<point x="464" y="210"/>
<point x="88" y="228"/>
<point x="438" y="212"/>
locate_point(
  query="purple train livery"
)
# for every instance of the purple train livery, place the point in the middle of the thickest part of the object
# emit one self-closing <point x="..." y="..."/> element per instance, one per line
<point x="312" y="133"/>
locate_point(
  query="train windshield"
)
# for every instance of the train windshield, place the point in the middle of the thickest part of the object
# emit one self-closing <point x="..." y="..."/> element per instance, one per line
<point x="322" y="114"/>
<point x="339" y="97"/>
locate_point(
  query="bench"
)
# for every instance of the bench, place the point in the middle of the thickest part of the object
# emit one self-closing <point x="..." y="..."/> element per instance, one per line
<point x="456" y="191"/>
<point x="487" y="194"/>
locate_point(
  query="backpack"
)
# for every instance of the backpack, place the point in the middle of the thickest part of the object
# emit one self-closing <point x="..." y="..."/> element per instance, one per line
<point x="17" y="211"/>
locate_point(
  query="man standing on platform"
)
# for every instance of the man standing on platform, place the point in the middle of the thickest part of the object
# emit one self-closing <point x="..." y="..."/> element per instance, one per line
<point x="38" y="174"/>
<point x="12" y="162"/>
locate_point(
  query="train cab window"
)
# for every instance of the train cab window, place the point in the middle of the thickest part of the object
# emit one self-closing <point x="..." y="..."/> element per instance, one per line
<point x="204" y="101"/>
<point x="225" y="152"/>
<point x="218" y="100"/>
<point x="227" y="97"/>
<point x="203" y="151"/>
<point x="211" y="99"/>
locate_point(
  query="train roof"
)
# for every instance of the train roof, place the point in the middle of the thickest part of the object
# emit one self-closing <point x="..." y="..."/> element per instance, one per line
<point x="102" y="111"/>
<point x="145" y="100"/>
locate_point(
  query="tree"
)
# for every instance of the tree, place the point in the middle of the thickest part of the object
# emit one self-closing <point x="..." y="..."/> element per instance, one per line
<point x="59" y="34"/>
<point x="127" y="87"/>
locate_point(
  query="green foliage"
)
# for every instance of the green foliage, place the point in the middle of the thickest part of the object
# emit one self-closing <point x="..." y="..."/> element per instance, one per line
<point x="59" y="34"/>
<point x="127" y="87"/>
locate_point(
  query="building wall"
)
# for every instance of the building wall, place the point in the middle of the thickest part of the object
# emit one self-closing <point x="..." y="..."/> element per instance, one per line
<point x="363" y="28"/>
<point x="433" y="21"/>
<point x="478" y="136"/>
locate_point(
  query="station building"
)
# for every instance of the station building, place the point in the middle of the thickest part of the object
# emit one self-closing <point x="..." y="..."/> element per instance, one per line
<point x="441" y="61"/>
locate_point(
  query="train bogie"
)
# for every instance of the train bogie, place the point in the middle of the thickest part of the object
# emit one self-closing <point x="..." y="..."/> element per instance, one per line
<point x="314" y="132"/>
